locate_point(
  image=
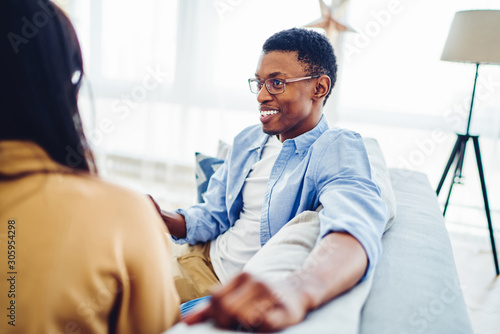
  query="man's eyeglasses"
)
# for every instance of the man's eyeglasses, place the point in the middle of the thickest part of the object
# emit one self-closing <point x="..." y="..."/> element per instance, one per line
<point x="274" y="86"/>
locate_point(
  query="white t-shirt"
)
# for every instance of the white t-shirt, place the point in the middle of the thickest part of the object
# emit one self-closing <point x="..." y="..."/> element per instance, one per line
<point x="231" y="250"/>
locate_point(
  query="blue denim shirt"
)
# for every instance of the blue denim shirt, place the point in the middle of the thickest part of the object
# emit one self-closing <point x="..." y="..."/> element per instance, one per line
<point x="323" y="166"/>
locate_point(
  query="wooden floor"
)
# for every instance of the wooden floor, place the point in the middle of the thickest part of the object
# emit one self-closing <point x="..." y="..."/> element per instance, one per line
<point x="480" y="285"/>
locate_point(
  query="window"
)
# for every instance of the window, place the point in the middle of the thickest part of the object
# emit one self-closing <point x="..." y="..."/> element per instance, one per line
<point x="170" y="77"/>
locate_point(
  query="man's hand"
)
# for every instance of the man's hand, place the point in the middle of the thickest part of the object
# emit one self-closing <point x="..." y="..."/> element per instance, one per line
<point x="175" y="222"/>
<point x="248" y="304"/>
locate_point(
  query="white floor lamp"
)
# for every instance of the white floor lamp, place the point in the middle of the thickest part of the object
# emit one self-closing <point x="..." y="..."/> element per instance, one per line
<point x="474" y="37"/>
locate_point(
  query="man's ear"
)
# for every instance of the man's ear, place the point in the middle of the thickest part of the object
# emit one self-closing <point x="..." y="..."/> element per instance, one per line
<point x="323" y="85"/>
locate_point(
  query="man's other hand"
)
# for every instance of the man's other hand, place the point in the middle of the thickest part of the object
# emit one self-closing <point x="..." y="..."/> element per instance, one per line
<point x="249" y="304"/>
<point x="175" y="222"/>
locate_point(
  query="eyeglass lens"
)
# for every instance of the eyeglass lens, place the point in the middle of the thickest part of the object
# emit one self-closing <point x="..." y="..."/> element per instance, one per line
<point x="274" y="86"/>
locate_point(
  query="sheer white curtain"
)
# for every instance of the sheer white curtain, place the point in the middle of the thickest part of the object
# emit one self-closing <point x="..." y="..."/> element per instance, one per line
<point x="393" y="73"/>
<point x="395" y="87"/>
<point x="202" y="51"/>
<point x="169" y="77"/>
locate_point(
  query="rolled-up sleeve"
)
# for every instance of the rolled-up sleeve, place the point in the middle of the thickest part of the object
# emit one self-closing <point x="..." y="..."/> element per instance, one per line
<point x="351" y="198"/>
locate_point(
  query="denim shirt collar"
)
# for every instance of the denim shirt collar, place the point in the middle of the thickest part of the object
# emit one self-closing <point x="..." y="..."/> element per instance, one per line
<point x="305" y="140"/>
<point x="302" y="142"/>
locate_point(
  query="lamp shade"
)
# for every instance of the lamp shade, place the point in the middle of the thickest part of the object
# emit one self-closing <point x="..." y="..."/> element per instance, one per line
<point x="474" y="37"/>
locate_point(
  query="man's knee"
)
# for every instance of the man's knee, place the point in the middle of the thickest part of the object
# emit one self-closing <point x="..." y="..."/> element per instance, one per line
<point x="194" y="276"/>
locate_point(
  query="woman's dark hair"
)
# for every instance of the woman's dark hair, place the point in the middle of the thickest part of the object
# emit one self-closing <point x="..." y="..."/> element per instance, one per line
<point x="314" y="51"/>
<point x="43" y="71"/>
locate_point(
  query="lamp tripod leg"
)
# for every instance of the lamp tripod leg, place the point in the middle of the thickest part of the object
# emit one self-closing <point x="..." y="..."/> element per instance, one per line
<point x="458" y="177"/>
<point x="462" y="142"/>
<point x="475" y="140"/>
<point x="448" y="164"/>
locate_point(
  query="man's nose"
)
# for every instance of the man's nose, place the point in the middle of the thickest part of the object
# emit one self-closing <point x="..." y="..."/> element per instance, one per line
<point x="264" y="95"/>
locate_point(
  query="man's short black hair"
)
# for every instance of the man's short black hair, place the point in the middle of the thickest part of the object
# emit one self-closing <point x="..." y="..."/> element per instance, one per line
<point x="314" y="51"/>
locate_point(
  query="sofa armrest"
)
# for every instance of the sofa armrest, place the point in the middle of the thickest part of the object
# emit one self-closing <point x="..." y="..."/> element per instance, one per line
<point x="415" y="287"/>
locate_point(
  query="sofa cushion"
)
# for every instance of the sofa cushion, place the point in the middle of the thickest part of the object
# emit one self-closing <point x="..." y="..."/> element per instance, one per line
<point x="222" y="149"/>
<point x="205" y="167"/>
<point x="382" y="177"/>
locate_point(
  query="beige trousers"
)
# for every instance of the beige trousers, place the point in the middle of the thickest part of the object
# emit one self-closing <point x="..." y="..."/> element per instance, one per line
<point x="194" y="275"/>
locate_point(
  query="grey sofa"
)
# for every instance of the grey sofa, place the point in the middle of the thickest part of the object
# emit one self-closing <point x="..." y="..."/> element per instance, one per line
<point x="415" y="287"/>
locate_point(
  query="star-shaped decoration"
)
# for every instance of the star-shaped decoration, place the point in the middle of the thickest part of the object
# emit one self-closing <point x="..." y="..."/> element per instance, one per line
<point x="331" y="19"/>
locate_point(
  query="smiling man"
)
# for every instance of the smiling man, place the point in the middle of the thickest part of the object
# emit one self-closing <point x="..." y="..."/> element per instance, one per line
<point x="290" y="163"/>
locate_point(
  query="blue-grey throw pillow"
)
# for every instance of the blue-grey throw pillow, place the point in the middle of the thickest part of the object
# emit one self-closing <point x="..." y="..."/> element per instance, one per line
<point x="205" y="168"/>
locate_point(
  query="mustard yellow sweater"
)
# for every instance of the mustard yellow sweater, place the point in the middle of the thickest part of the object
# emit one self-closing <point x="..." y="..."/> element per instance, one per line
<point x="79" y="255"/>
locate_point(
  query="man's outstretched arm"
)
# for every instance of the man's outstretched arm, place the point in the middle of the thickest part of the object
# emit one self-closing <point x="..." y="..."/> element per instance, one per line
<point x="334" y="266"/>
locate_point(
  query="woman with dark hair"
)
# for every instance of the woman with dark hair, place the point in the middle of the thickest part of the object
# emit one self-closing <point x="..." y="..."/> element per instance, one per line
<point x="80" y="255"/>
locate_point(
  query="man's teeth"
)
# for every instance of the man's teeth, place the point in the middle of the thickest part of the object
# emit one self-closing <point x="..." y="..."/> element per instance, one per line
<point x="268" y="112"/>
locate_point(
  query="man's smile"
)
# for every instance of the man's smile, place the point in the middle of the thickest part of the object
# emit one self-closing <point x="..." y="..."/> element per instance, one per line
<point x="266" y="114"/>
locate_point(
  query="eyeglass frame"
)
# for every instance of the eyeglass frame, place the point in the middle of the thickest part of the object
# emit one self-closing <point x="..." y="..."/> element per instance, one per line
<point x="285" y="81"/>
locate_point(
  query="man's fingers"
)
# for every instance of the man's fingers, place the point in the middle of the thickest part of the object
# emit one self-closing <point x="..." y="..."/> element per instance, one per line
<point x="242" y="303"/>
<point x="247" y="304"/>
<point x="275" y="319"/>
<point x="286" y="314"/>
<point x="197" y="316"/>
